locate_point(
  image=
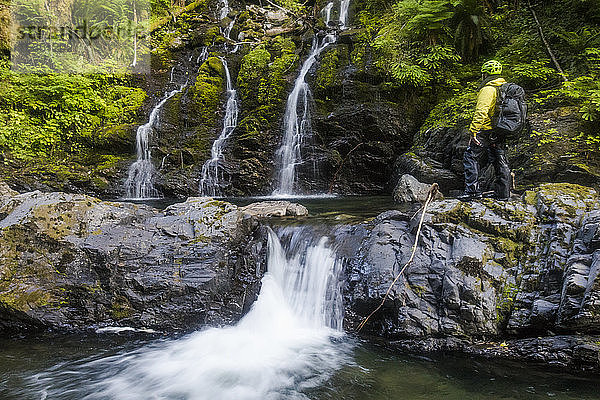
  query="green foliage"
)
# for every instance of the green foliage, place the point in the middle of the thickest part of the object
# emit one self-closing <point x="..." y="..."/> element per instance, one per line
<point x="292" y="5"/>
<point x="261" y="79"/>
<point x="50" y="115"/>
<point x="207" y="90"/>
<point x="582" y="91"/>
<point x="427" y="20"/>
<point x="533" y="74"/>
<point x="327" y="73"/>
<point x="420" y="43"/>
<point x="452" y="112"/>
<point x="93" y="36"/>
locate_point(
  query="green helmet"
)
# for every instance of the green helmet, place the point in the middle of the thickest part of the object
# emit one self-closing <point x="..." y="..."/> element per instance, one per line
<point x="491" y="67"/>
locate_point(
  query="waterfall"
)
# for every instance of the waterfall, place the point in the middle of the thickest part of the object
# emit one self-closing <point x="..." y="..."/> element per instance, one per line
<point x="327" y="13"/>
<point x="288" y="343"/>
<point x="296" y="120"/>
<point x="344" y="5"/>
<point x="210" y="182"/>
<point x="224" y="9"/>
<point x="203" y="56"/>
<point x="140" y="181"/>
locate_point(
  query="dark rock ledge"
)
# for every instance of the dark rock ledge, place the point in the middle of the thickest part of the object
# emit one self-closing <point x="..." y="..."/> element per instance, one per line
<point x="517" y="280"/>
<point x="524" y="273"/>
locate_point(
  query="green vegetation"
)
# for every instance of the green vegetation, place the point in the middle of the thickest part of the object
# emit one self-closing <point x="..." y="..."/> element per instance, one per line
<point x="79" y="127"/>
<point x="434" y="48"/>
<point x="423" y="55"/>
<point x="54" y="115"/>
<point x="263" y="88"/>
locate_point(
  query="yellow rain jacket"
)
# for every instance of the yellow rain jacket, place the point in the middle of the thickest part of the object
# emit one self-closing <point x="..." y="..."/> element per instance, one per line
<point x="486" y="106"/>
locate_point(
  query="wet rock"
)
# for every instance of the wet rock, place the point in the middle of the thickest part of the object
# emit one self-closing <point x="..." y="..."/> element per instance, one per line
<point x="565" y="351"/>
<point x="75" y="262"/>
<point x="409" y="189"/>
<point x="427" y="170"/>
<point x="484" y="269"/>
<point x="278" y="16"/>
<point x="267" y="209"/>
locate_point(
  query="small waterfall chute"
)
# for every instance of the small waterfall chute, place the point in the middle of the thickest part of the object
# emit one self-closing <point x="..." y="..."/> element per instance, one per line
<point x="212" y="178"/>
<point x="297" y="124"/>
<point x="288" y="343"/>
<point x="141" y="174"/>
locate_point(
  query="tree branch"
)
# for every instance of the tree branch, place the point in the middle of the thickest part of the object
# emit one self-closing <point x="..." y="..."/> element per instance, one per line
<point x="543" y="37"/>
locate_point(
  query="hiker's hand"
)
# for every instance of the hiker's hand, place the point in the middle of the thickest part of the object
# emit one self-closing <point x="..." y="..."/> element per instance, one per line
<point x="475" y="140"/>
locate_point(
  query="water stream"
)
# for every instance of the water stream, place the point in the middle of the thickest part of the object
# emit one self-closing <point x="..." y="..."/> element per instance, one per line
<point x="140" y="179"/>
<point x="289" y="346"/>
<point x="212" y="180"/>
<point x="297" y="117"/>
<point x="291" y="341"/>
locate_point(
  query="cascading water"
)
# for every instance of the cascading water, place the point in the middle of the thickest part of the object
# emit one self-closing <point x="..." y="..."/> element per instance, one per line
<point x="211" y="181"/>
<point x="140" y="180"/>
<point x="203" y="56"/>
<point x="296" y="124"/>
<point x="327" y="13"/>
<point x="290" y="341"/>
<point x="224" y="9"/>
<point x="344" y="6"/>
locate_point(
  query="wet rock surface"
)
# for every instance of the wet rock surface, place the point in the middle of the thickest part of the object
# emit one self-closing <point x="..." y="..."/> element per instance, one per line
<point x="266" y="209"/>
<point x="73" y="262"/>
<point x="485" y="270"/>
<point x="515" y="280"/>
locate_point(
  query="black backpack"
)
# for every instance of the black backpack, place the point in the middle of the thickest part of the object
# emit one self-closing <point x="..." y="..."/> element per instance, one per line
<point x="511" y="109"/>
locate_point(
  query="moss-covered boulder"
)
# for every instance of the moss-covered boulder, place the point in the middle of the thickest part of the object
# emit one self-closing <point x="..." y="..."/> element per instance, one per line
<point x="72" y="262"/>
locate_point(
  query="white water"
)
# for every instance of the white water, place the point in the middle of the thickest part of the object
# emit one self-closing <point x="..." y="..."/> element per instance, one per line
<point x="203" y="56"/>
<point x="327" y="12"/>
<point x="297" y="124"/>
<point x="140" y="180"/>
<point x="344" y="5"/>
<point x="212" y="180"/>
<point x="224" y="9"/>
<point x="290" y="341"/>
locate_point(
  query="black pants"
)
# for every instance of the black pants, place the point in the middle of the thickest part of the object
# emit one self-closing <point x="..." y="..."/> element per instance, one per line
<point x="495" y="148"/>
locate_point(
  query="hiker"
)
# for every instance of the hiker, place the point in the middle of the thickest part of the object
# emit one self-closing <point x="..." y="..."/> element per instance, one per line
<point x="485" y="139"/>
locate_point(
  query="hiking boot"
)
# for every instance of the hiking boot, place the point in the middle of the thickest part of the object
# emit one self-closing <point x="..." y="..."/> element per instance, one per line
<point x="494" y="196"/>
<point x="469" y="196"/>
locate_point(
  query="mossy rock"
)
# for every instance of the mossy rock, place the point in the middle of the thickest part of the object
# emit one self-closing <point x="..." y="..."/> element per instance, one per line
<point x="330" y="74"/>
<point x="115" y="138"/>
<point x="563" y="201"/>
<point x="205" y="94"/>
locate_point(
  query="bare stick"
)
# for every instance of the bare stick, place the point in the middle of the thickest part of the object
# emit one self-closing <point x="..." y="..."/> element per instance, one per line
<point x="430" y="197"/>
<point x="543" y="37"/>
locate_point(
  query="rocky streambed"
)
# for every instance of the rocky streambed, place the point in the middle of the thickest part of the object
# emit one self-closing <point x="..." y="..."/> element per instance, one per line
<point x="514" y="279"/>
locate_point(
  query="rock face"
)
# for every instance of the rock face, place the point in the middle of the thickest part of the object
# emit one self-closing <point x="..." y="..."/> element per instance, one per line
<point x="437" y="154"/>
<point x="485" y="270"/>
<point x="73" y="262"/>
